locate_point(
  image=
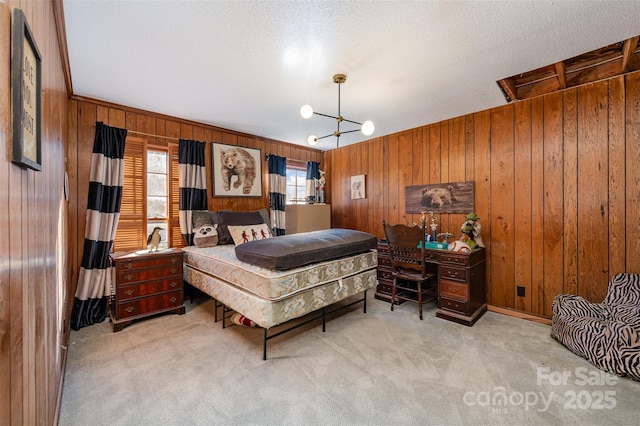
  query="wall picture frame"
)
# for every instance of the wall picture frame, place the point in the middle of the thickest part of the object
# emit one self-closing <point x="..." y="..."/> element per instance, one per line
<point x="358" y="187"/>
<point x="451" y="197"/>
<point x="236" y="171"/>
<point x="26" y="94"/>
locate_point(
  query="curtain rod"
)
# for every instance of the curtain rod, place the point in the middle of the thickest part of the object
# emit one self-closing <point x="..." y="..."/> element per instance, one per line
<point x="153" y="136"/>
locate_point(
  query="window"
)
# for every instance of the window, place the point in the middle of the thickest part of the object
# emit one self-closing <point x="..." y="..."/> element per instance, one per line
<point x="150" y="195"/>
<point x="296" y="182"/>
<point x="157" y="193"/>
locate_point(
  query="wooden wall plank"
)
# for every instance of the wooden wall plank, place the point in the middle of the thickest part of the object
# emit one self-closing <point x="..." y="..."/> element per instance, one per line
<point x="632" y="178"/>
<point x="378" y="186"/>
<point x="416" y="165"/>
<point x="482" y="185"/>
<point x="405" y="171"/>
<point x="617" y="252"/>
<point x="593" y="185"/>
<point x="502" y="221"/>
<point x="522" y="203"/>
<point x="395" y="213"/>
<point x="553" y="208"/>
<point x="537" y="206"/>
<point x="443" y="219"/>
<point x="570" y="188"/>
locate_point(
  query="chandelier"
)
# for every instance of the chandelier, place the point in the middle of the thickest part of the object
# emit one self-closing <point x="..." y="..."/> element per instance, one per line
<point x="306" y="111"/>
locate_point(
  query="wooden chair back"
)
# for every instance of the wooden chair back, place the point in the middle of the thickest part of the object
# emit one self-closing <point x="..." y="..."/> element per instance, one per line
<point x="406" y="247"/>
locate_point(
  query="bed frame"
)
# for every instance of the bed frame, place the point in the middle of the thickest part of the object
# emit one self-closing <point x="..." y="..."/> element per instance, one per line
<point x="227" y="312"/>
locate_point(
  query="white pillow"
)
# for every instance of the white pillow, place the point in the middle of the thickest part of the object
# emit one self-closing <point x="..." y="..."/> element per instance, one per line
<point x="205" y="236"/>
<point x="244" y="233"/>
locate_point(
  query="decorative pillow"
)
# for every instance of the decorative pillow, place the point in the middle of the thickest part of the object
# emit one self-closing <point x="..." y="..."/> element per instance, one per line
<point x="200" y="218"/>
<point x="245" y="233"/>
<point x="265" y="216"/>
<point x="205" y="236"/>
<point x="225" y="218"/>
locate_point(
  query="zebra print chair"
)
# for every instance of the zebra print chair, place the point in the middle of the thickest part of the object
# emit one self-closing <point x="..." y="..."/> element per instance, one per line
<point x="607" y="334"/>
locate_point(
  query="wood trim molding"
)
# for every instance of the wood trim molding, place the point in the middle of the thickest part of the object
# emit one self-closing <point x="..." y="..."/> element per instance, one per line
<point x="186" y="121"/>
<point x="61" y="32"/>
<point x="518" y="314"/>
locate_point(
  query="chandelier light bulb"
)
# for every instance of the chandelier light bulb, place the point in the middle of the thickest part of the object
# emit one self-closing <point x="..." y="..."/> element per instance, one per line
<point x="306" y="111"/>
<point x="312" y="140"/>
<point x="367" y="128"/>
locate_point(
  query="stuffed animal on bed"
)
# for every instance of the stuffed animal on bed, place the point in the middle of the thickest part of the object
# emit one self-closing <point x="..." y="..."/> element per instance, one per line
<point x="206" y="236"/>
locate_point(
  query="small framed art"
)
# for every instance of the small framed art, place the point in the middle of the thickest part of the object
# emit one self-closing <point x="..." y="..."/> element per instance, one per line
<point x="237" y="171"/>
<point x="26" y="85"/>
<point x="358" y="188"/>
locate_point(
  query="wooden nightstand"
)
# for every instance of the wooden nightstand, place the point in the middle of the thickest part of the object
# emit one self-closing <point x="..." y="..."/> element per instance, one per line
<point x="146" y="284"/>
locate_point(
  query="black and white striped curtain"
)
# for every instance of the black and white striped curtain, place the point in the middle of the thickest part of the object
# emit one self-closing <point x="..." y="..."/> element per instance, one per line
<point x="277" y="192"/>
<point x="103" y="211"/>
<point x="312" y="175"/>
<point x="193" y="184"/>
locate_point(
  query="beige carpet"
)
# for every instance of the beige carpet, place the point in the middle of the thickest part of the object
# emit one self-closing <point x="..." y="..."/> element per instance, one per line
<point x="378" y="368"/>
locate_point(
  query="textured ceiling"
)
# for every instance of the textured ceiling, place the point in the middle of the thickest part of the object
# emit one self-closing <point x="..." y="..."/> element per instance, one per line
<point x="250" y="65"/>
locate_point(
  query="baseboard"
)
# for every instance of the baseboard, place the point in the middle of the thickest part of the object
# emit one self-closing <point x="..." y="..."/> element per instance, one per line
<point x="519" y="314"/>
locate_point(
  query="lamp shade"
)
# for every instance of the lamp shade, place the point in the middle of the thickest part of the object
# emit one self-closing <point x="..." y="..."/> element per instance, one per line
<point x="306" y="111"/>
<point x="367" y="128"/>
<point x="312" y="140"/>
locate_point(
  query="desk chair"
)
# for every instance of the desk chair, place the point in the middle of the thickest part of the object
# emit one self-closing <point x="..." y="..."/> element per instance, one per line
<point x="409" y="265"/>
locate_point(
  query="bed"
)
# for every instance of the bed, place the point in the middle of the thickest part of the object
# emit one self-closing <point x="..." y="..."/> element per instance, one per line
<point x="287" y="277"/>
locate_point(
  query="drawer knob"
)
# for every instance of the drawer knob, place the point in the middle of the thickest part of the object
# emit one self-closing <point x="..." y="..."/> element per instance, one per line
<point x="173" y="299"/>
<point x="129" y="309"/>
<point x="128" y="292"/>
<point x="173" y="284"/>
<point x="173" y="270"/>
<point x="129" y="277"/>
<point x="128" y="265"/>
<point x="174" y="260"/>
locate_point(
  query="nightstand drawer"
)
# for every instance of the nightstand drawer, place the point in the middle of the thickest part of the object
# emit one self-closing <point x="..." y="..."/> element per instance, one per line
<point x="149" y="261"/>
<point x="447" y="272"/>
<point x="135" y="275"/>
<point x="453" y="290"/>
<point x="150" y="287"/>
<point x="159" y="302"/>
<point x="453" y="305"/>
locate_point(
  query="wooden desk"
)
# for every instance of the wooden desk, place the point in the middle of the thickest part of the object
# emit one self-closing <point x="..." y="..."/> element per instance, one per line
<point x="461" y="282"/>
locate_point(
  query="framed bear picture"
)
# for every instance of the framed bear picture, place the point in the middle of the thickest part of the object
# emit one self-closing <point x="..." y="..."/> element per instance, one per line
<point x="452" y="197"/>
<point x="236" y="171"/>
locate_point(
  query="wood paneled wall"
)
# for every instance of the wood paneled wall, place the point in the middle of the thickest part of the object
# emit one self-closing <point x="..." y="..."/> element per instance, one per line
<point x="83" y="115"/>
<point x="33" y="243"/>
<point x="557" y="183"/>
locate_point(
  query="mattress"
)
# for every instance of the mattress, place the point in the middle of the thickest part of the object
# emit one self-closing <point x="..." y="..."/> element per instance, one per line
<point x="268" y="313"/>
<point x="221" y="263"/>
<point x="296" y="250"/>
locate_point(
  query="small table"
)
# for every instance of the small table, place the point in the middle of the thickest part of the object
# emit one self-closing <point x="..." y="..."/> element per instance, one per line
<point x="146" y="284"/>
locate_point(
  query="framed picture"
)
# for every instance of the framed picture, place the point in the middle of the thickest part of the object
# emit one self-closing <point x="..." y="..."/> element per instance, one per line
<point x="358" y="189"/>
<point x="236" y="171"/>
<point x="26" y="84"/>
<point x="453" y="197"/>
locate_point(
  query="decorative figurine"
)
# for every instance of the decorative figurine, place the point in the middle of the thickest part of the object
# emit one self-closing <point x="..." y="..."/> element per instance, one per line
<point x="320" y="186"/>
<point x="433" y="226"/>
<point x="153" y="241"/>
<point x="471" y="231"/>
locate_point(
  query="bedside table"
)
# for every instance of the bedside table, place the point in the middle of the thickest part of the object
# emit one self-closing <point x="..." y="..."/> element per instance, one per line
<point x="146" y="284"/>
